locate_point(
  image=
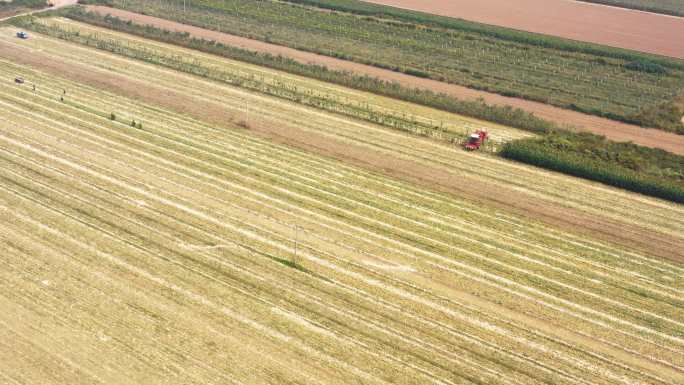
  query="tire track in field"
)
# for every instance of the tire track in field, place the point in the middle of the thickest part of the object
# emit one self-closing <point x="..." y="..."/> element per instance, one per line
<point x="463" y="251"/>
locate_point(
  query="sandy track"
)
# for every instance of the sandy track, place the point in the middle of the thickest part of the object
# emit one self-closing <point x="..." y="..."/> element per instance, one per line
<point x="612" y="129"/>
<point x="491" y="194"/>
<point x="616" y="27"/>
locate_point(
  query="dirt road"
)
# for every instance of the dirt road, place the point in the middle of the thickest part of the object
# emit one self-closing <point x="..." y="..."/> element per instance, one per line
<point x="616" y="27"/>
<point x="614" y="130"/>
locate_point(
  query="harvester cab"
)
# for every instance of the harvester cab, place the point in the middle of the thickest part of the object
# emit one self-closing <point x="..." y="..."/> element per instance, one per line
<point x="476" y="140"/>
<point x="22" y="35"/>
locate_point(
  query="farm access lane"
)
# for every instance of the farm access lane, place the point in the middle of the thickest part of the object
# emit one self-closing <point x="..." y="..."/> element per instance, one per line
<point x="614" y="130"/>
<point x="502" y="197"/>
<point x="594" y="23"/>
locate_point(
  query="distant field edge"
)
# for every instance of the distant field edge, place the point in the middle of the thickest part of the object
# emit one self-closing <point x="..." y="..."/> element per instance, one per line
<point x="656" y="6"/>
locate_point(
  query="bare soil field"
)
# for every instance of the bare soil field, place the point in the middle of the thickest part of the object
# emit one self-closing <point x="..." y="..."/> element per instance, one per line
<point x="617" y="27"/>
<point x="612" y="129"/>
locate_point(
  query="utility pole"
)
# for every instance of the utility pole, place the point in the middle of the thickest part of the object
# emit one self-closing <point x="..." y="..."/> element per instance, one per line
<point x="295" y="244"/>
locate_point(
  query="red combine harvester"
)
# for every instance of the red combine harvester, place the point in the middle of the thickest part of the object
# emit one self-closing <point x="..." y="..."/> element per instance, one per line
<point x="476" y="140"/>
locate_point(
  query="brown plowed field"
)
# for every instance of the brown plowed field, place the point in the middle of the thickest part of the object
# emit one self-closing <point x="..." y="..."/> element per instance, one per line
<point x="616" y="27"/>
<point x="614" y="130"/>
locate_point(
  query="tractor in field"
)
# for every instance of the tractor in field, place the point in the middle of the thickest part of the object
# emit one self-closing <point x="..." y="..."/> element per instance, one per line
<point x="476" y="140"/>
<point x="22" y="35"/>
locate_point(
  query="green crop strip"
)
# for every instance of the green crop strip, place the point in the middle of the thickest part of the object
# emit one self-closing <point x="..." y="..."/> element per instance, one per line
<point x="625" y="165"/>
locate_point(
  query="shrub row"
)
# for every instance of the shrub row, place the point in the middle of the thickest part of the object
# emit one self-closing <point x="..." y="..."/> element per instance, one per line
<point x="625" y="165"/>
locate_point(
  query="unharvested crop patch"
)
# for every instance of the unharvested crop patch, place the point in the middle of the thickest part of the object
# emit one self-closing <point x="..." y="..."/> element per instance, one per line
<point x="163" y="249"/>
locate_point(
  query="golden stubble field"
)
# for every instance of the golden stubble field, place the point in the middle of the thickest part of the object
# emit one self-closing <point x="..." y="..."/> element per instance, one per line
<point x="192" y="252"/>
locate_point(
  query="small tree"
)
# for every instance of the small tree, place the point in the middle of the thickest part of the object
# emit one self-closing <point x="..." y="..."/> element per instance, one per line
<point x="133" y="123"/>
<point x="112" y="116"/>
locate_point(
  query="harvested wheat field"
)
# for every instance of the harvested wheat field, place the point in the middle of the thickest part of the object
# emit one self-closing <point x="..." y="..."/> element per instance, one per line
<point x="230" y="237"/>
<point x="594" y="23"/>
